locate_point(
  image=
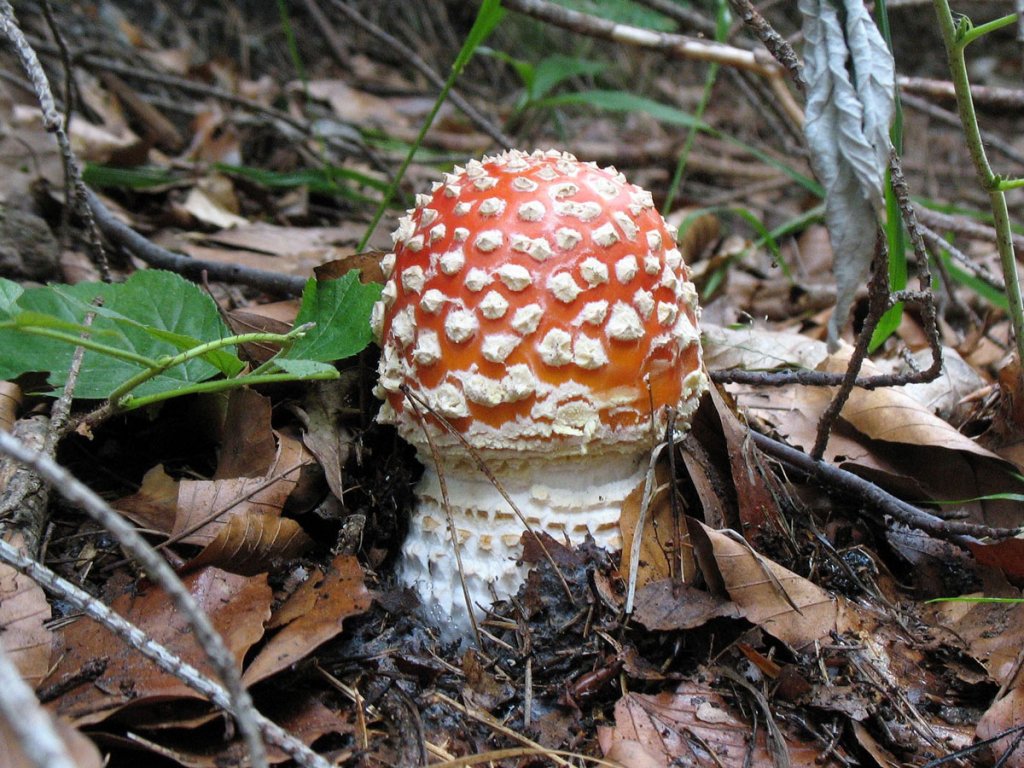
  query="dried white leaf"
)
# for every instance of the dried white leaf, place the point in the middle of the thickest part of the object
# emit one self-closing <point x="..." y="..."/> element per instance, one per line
<point x="850" y="78"/>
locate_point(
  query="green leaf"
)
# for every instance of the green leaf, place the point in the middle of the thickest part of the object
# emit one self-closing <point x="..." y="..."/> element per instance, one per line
<point x="151" y="315"/>
<point x="302" y="369"/>
<point x="341" y="310"/>
<point x="557" y="69"/>
<point x="9" y="293"/>
<point x="487" y="18"/>
<point x="142" y="177"/>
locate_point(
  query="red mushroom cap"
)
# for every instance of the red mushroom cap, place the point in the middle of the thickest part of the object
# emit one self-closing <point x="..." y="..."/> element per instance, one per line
<point x="538" y="303"/>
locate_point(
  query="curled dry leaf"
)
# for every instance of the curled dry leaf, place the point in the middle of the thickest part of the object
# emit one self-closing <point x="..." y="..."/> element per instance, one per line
<point x="311" y="616"/>
<point x="250" y="544"/>
<point x="206" y="505"/>
<point x="111" y="675"/>
<point x="787" y="606"/>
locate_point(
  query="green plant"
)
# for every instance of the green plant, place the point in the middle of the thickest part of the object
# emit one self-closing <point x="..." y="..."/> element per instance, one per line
<point x="957" y="35"/>
<point x="487" y="18"/>
<point x="158" y="336"/>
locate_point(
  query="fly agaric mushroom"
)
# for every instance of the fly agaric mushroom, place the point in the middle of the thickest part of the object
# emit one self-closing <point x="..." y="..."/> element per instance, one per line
<point x="540" y="307"/>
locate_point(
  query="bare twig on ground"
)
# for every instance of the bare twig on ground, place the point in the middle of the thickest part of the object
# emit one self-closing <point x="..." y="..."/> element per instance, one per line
<point x="878" y="303"/>
<point x="1007" y="99"/>
<point x="54" y="124"/>
<point x="958" y="532"/>
<point x="686" y="16"/>
<point x="674" y="46"/>
<point x="161" y="258"/>
<point x="776" y="44"/>
<point x="993" y="142"/>
<point x="164" y="658"/>
<point x="157" y="569"/>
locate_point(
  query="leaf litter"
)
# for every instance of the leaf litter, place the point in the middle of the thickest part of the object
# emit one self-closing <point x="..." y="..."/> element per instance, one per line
<point x="796" y="637"/>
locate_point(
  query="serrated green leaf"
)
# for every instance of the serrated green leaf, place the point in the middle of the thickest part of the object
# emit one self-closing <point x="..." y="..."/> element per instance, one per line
<point x="341" y="310"/>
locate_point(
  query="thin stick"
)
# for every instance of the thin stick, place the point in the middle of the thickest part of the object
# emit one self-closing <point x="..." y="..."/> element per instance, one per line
<point x="157" y="569"/>
<point x="31" y="725"/>
<point x="165" y="659"/>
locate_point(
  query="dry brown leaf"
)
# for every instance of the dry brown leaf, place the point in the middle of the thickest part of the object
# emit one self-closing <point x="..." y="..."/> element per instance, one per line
<point x="667" y="605"/>
<point x="311" y="616"/>
<point x="248" y="447"/>
<point x="10" y="401"/>
<point x="154" y="505"/>
<point x="785" y="605"/>
<point x="656" y="543"/>
<point x="237" y="605"/>
<point x="24" y="612"/>
<point x="251" y="543"/>
<point x="81" y="749"/>
<point x="757" y="349"/>
<point x="351" y="104"/>
<point x="208" y="209"/>
<point x="992" y="632"/>
<point x="1004" y="714"/>
<point x="218" y="500"/>
<point x="692" y="726"/>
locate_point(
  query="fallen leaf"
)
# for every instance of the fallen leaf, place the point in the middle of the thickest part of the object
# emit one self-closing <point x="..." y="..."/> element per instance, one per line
<point x="24" y="613"/>
<point x="311" y="616"/>
<point x="80" y="748"/>
<point x="1005" y="714"/>
<point x="251" y="543"/>
<point x="237" y="605"/>
<point x="667" y="605"/>
<point x="694" y="725"/>
<point x="209" y="504"/>
<point x="155" y="503"/>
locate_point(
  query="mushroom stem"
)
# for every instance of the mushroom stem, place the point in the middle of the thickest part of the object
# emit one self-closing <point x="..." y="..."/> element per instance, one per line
<point x="563" y="496"/>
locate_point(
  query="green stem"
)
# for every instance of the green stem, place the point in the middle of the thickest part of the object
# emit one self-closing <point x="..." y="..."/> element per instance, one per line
<point x="488" y="15"/>
<point x="168" y="362"/>
<point x="219" y="385"/>
<point x="1005" y="184"/>
<point x="989" y="181"/>
<point x="79" y="341"/>
<point x="990" y="26"/>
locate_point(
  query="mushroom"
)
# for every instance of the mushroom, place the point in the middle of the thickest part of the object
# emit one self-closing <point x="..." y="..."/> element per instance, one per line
<point x="538" y="315"/>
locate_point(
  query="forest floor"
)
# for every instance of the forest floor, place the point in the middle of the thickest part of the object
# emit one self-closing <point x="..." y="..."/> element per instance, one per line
<point x="858" y="608"/>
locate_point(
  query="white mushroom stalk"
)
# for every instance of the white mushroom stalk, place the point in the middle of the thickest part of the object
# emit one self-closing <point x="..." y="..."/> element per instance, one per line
<point x="540" y="307"/>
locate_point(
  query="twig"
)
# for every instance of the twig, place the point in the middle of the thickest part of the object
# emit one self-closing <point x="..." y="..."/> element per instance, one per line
<point x="938" y="242"/>
<point x="993" y="142"/>
<point x="773" y="41"/>
<point x="161" y="258"/>
<point x="164" y="658"/>
<point x="962" y="225"/>
<point x="157" y="569"/>
<point x="878" y="303"/>
<point x="420" y="65"/>
<point x="672" y="45"/>
<point x="28" y="721"/>
<point x="53" y="123"/>
<point x="832" y="476"/>
<point x="1011" y="99"/>
<point x="683" y="14"/>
